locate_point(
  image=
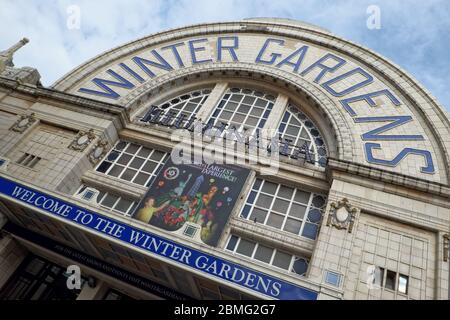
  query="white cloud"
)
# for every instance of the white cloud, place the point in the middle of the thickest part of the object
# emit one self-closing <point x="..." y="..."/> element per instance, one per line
<point x="414" y="34"/>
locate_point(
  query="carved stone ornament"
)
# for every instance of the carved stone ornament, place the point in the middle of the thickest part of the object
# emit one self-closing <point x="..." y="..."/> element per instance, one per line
<point x="23" y="123"/>
<point x="98" y="152"/>
<point x="445" y="247"/>
<point x="82" y="140"/>
<point x="342" y="215"/>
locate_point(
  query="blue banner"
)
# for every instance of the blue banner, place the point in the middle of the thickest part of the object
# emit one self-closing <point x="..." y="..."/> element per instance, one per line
<point x="160" y="246"/>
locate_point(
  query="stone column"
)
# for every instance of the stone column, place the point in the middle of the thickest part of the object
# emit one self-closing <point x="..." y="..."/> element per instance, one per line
<point x="213" y="100"/>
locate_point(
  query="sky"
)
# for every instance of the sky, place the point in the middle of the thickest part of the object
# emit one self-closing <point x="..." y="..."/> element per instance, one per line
<point x="414" y="34"/>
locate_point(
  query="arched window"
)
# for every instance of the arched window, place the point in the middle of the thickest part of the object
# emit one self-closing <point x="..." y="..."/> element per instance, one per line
<point x="300" y="130"/>
<point x="187" y="104"/>
<point x="244" y="109"/>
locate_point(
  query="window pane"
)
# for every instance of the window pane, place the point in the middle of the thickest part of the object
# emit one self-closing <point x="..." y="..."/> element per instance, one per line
<point x="300" y="266"/>
<point x="136" y="163"/>
<point x="141" y="178"/>
<point x="123" y="205"/>
<point x="157" y="155"/>
<point x="403" y="284"/>
<point x="109" y="200"/>
<point x="132" y="148"/>
<point x="245" y="247"/>
<point x="292" y="226"/>
<point x="149" y="166"/>
<point x="275" y="220"/>
<point x="282" y="260"/>
<point x="280" y="205"/>
<point x="285" y="192"/>
<point x="128" y="174"/>
<point x="269" y="187"/>
<point x="263" y="253"/>
<point x="310" y="231"/>
<point x="264" y="201"/>
<point x="116" y="171"/>
<point x="297" y="210"/>
<point x="390" y="280"/>
<point x="124" y="159"/>
<point x="232" y="243"/>
<point x="259" y="215"/>
<point x="302" y="196"/>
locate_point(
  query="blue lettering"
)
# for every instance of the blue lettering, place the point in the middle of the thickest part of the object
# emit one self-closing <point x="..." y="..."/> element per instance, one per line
<point x="231" y="49"/>
<point x="395" y="121"/>
<point x="320" y="64"/>
<point x="368" y="79"/>
<point x="368" y="98"/>
<point x="273" y="56"/>
<point x="301" y="54"/>
<point x="162" y="64"/>
<point x="194" y="50"/>
<point x="428" y="168"/>
<point x="103" y="83"/>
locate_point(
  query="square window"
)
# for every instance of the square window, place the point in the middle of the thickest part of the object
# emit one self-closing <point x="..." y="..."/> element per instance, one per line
<point x="264" y="201"/>
<point x="116" y="171"/>
<point x="257" y="112"/>
<point x="252" y="121"/>
<point x="225" y="116"/>
<point x="285" y="192"/>
<point x="302" y="196"/>
<point x="280" y="205"/>
<point x="149" y="166"/>
<point x="282" y="260"/>
<point x="104" y="166"/>
<point x="238" y="118"/>
<point x="141" y="178"/>
<point x="144" y="152"/>
<point x="136" y="163"/>
<point x="109" y="200"/>
<point x="292" y="226"/>
<point x="249" y="100"/>
<point x="333" y="278"/>
<point x="297" y="210"/>
<point x="128" y="174"/>
<point x="157" y="155"/>
<point x="269" y="187"/>
<point x="123" y="205"/>
<point x="310" y="231"/>
<point x="230" y="106"/>
<point x="275" y="220"/>
<point x="246" y="247"/>
<point x="190" y="231"/>
<point x="232" y="243"/>
<point x="263" y="253"/>
<point x="132" y="148"/>
<point x="124" y="159"/>
<point x="258" y="215"/>
<point x="243" y="109"/>
<point x="260" y="103"/>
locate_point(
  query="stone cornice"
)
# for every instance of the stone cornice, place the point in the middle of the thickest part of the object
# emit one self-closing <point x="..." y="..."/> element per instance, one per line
<point x="387" y="177"/>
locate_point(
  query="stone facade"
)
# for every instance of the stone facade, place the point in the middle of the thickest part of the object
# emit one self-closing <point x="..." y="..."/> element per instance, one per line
<point x="386" y="181"/>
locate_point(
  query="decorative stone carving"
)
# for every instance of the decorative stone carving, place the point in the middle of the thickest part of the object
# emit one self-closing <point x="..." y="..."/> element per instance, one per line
<point x="342" y="215"/>
<point x="98" y="152"/>
<point x="6" y="56"/>
<point x="82" y="140"/>
<point x="23" y="123"/>
<point x="446" y="246"/>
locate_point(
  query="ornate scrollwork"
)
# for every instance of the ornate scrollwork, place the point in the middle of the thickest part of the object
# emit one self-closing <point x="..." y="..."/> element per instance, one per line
<point x="342" y="215"/>
<point x="23" y="123"/>
<point x="82" y="140"/>
<point x="98" y="152"/>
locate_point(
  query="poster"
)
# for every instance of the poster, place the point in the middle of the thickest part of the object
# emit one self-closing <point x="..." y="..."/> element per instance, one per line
<point x="200" y="194"/>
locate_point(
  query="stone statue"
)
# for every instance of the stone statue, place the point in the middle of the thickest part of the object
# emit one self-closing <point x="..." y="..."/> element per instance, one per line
<point x="6" y="56"/>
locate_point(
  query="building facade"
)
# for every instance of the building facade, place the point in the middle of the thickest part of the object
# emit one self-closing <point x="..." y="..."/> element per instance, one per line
<point x="322" y="172"/>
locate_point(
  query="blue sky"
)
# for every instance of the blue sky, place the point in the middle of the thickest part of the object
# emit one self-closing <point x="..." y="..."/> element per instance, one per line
<point x="413" y="34"/>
